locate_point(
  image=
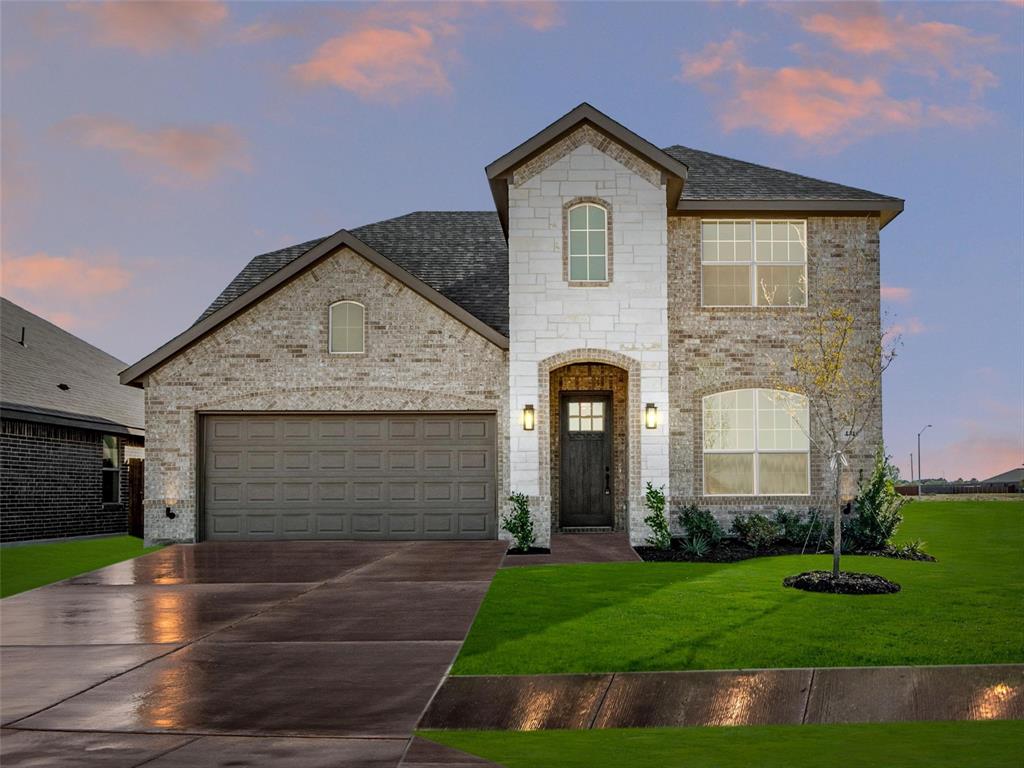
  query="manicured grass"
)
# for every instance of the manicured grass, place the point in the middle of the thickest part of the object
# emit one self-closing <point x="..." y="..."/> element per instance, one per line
<point x="932" y="745"/>
<point x="34" y="565"/>
<point x="966" y="608"/>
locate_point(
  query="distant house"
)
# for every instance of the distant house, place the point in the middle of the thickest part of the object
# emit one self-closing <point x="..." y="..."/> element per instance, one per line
<point x="1012" y="477"/>
<point x="68" y="427"/>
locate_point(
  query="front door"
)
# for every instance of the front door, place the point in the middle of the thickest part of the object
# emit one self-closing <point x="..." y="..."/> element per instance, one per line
<point x="585" y="482"/>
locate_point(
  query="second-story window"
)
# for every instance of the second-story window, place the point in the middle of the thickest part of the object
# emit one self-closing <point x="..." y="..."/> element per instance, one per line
<point x="588" y="243"/>
<point x="346" y="333"/>
<point x="754" y="263"/>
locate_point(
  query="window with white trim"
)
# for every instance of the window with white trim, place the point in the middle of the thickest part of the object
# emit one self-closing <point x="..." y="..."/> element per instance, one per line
<point x="347" y="328"/>
<point x="749" y="262"/>
<point x="756" y="443"/>
<point x="588" y="243"/>
<point x="111" y="487"/>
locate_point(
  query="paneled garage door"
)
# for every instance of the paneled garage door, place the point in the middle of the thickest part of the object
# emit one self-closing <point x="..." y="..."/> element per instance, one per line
<point x="380" y="476"/>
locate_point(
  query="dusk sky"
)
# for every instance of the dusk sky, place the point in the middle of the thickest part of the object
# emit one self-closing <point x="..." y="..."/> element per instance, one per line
<point x="149" y="150"/>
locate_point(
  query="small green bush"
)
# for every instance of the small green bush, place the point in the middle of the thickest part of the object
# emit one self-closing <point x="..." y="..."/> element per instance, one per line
<point x="793" y="527"/>
<point x="911" y="550"/>
<point x="696" y="547"/>
<point x="654" y="499"/>
<point x="756" y="531"/>
<point x="699" y="522"/>
<point x="876" y="510"/>
<point x="519" y="523"/>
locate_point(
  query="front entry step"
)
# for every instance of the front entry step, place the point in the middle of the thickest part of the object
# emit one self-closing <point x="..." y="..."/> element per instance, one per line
<point x="588" y="529"/>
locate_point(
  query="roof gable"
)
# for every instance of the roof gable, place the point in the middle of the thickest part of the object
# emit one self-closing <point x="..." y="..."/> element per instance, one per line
<point x="217" y="316"/>
<point x="500" y="171"/>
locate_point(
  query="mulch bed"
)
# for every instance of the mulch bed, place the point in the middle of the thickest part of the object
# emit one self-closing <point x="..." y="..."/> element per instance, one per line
<point x="847" y="583"/>
<point x="530" y="551"/>
<point x="731" y="551"/>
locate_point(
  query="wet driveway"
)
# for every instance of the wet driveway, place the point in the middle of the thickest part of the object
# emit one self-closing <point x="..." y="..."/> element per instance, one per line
<point x="271" y="653"/>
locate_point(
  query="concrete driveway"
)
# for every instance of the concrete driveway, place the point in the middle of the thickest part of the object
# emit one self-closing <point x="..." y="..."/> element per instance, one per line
<point x="273" y="653"/>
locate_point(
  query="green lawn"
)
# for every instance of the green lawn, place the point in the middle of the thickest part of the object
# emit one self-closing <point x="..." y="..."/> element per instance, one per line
<point x="34" y="565"/>
<point x="932" y="745"/>
<point x="966" y="608"/>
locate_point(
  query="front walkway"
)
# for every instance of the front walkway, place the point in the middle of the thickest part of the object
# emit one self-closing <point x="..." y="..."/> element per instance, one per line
<point x="273" y="653"/>
<point x="570" y="548"/>
<point x="731" y="697"/>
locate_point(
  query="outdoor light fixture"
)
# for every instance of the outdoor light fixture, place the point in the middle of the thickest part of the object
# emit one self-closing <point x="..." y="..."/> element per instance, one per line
<point x="529" y="418"/>
<point x="651" y="416"/>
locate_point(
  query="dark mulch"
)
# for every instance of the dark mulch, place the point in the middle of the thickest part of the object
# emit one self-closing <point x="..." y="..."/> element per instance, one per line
<point x="530" y="551"/>
<point x="846" y="584"/>
<point x="732" y="550"/>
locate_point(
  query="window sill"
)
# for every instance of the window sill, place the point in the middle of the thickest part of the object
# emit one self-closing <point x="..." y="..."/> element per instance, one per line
<point x="589" y="283"/>
<point x="112" y="506"/>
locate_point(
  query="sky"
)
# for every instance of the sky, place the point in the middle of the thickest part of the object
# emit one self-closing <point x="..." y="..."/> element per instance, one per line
<point x="150" y="149"/>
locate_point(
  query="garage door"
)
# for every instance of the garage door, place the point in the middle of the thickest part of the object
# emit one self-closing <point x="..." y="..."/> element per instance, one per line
<point x="381" y="476"/>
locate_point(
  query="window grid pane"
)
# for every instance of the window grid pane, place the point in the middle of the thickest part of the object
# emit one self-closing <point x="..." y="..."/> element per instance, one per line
<point x="776" y="252"/>
<point x="347" y="328"/>
<point x="756" y="443"/>
<point x="588" y="243"/>
<point x="586" y="416"/>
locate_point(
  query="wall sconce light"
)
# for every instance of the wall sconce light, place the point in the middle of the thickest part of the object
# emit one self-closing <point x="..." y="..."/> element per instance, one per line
<point x="651" y="416"/>
<point x="529" y="418"/>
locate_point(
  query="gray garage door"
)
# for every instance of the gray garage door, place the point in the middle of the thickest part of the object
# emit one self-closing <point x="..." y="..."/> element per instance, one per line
<point x="381" y="476"/>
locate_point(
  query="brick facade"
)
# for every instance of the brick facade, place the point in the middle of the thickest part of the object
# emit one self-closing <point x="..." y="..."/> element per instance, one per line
<point x="274" y="357"/>
<point x="717" y="349"/>
<point x="51" y="483"/>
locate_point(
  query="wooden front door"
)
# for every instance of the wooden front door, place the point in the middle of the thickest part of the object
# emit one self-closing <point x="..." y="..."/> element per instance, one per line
<point x="585" y="480"/>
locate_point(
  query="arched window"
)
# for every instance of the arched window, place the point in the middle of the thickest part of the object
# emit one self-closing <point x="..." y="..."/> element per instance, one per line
<point x="588" y="243"/>
<point x="756" y="443"/>
<point x="347" y="322"/>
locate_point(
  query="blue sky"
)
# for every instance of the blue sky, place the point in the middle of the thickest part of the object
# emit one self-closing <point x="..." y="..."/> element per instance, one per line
<point x="150" y="149"/>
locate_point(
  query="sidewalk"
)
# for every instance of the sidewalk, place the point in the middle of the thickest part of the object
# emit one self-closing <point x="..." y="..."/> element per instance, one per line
<point x="732" y="697"/>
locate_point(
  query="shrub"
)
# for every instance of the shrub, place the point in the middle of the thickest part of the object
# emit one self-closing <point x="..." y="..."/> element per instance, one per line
<point x="696" y="547"/>
<point x="876" y="510"/>
<point x="654" y="499"/>
<point x="701" y="523"/>
<point x="519" y="523"/>
<point x="756" y="531"/>
<point x="793" y="528"/>
<point x="911" y="550"/>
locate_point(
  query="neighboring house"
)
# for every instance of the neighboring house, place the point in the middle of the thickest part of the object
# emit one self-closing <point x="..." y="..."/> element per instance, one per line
<point x="68" y="426"/>
<point x="598" y="331"/>
<point x="1011" y="477"/>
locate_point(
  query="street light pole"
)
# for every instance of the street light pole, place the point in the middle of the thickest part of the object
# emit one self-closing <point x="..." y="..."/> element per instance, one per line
<point x="920" y="477"/>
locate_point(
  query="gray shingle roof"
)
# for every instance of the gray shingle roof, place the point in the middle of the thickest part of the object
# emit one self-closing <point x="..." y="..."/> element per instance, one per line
<point x="30" y="374"/>
<point x="716" y="177"/>
<point x="460" y="254"/>
<point x="464" y="256"/>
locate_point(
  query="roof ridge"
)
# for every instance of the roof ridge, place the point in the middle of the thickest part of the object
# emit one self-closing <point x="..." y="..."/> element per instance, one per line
<point x="778" y="170"/>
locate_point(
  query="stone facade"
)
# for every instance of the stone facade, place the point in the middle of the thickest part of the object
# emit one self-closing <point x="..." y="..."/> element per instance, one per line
<point x="51" y="483"/>
<point x="723" y="348"/>
<point x="274" y="357"/>
<point x="623" y="322"/>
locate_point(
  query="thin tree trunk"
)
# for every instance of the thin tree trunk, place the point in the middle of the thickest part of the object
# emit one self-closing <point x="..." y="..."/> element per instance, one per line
<point x="837" y="525"/>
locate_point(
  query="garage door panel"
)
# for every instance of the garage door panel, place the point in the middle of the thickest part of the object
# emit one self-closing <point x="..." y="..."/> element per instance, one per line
<point x="401" y="476"/>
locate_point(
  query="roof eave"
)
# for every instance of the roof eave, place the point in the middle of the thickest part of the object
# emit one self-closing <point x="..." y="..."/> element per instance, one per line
<point x="134" y="374"/>
<point x="500" y="171"/>
<point x="15" y="412"/>
<point x="887" y="209"/>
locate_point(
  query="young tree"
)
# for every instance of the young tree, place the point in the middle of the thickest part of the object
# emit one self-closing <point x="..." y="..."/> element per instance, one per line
<point x="836" y="359"/>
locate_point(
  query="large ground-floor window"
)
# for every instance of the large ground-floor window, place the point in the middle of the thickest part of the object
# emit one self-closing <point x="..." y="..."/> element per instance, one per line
<point x="756" y="443"/>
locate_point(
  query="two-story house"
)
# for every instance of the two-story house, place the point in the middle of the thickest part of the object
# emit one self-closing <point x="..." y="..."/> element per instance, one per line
<point x="603" y="328"/>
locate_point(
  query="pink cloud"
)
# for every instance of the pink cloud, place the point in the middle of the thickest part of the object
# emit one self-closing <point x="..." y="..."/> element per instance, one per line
<point x="714" y="58"/>
<point x="378" y="63"/>
<point x="876" y="33"/>
<point x="538" y="15"/>
<point x="911" y="326"/>
<point x="980" y="453"/>
<point x="895" y="293"/>
<point x="177" y="154"/>
<point x="66" y="290"/>
<point x="153" y="26"/>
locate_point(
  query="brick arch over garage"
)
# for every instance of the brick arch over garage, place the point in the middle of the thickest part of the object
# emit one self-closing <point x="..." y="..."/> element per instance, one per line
<point x="545" y="368"/>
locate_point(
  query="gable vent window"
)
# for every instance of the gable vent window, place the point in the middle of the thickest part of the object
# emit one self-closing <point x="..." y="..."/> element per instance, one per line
<point x="588" y="243"/>
<point x="347" y="328"/>
<point x="751" y="263"/>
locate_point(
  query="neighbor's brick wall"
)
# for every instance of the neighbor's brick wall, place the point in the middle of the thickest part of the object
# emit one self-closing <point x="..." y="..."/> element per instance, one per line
<point x="51" y="483"/>
<point x="273" y="357"/>
<point x="717" y="349"/>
